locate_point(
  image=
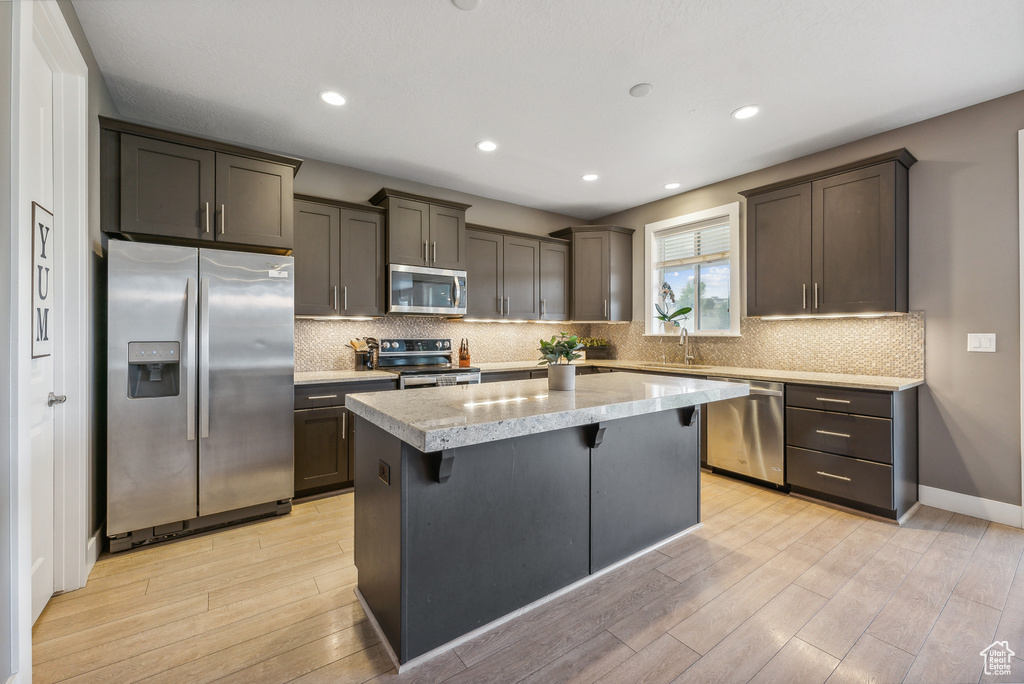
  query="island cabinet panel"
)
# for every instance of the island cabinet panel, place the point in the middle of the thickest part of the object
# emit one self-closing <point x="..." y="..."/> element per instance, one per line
<point x="162" y="186"/>
<point x="636" y="475"/>
<point x="833" y="242"/>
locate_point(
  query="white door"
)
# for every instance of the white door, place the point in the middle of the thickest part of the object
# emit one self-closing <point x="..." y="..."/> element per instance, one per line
<point x="37" y="174"/>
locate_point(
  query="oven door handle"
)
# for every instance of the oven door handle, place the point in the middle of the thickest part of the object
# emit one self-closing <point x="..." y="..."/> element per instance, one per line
<point x="419" y="382"/>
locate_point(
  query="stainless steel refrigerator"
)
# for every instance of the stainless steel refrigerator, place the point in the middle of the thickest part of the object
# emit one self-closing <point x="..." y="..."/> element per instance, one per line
<point x="200" y="389"/>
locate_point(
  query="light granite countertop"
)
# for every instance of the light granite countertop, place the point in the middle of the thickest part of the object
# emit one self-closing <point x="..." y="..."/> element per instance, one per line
<point x="874" y="382"/>
<point x="439" y="418"/>
<point x="322" y="377"/>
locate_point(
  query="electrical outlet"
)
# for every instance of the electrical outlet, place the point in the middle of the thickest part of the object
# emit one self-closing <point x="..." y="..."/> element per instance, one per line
<point x="384" y="472"/>
<point x="981" y="342"/>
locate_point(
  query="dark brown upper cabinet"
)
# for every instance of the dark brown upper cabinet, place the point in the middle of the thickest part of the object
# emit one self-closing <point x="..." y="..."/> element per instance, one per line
<point x="423" y="231"/>
<point x="339" y="258"/>
<point x="602" y="272"/>
<point x="160" y="185"/>
<point x="504" y="274"/>
<point x="555" y="274"/>
<point x="835" y="242"/>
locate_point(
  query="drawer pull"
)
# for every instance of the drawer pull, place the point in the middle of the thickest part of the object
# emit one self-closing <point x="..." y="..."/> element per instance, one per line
<point x="834" y="434"/>
<point x="834" y="401"/>
<point x="837" y="477"/>
<point x="324" y="396"/>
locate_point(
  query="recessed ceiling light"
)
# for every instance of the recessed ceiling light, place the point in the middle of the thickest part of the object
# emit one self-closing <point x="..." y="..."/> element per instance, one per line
<point x="746" y="112"/>
<point x="332" y="97"/>
<point x="589" y="176"/>
<point x="466" y="5"/>
<point x="486" y="146"/>
<point x="671" y="186"/>
<point x="641" y="89"/>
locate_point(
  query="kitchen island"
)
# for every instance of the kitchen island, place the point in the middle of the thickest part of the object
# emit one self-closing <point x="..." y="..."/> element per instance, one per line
<point x="475" y="502"/>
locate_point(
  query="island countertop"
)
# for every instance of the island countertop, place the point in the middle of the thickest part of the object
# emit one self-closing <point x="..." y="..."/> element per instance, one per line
<point x="440" y="418"/>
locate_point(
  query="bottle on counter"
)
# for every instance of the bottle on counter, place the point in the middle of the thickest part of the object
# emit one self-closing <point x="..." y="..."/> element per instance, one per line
<point x="464" y="354"/>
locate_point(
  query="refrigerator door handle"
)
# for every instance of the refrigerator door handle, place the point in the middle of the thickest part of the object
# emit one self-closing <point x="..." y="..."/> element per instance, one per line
<point x="190" y="377"/>
<point x="204" y="358"/>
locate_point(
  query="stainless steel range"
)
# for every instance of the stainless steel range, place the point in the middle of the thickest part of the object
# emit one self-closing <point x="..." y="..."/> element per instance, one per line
<point x="423" y="362"/>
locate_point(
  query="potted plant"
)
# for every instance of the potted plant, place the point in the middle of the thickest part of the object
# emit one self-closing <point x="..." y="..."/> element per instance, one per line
<point x="558" y="353"/>
<point x="596" y="347"/>
<point x="666" y="317"/>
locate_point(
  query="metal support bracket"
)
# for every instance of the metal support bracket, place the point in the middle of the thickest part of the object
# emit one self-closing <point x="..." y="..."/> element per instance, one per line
<point x="597" y="434"/>
<point x="444" y="465"/>
<point x="689" y="415"/>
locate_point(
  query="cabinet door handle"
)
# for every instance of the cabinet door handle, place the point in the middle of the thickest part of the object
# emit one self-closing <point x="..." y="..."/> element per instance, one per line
<point x="223" y="218"/>
<point x="324" y="396"/>
<point x="206" y="217"/>
<point x="815" y="296"/>
<point x="834" y="434"/>
<point x="835" y="477"/>
<point x="434" y="248"/>
<point x="805" y="295"/>
<point x="605" y="309"/>
<point x="426" y="255"/>
<point x="543" y="309"/>
<point x="335" y="297"/>
<point x="345" y="298"/>
<point x="344" y="424"/>
<point x="834" y="401"/>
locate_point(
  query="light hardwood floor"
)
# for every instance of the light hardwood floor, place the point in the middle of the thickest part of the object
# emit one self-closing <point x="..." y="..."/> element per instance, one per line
<point x="770" y="589"/>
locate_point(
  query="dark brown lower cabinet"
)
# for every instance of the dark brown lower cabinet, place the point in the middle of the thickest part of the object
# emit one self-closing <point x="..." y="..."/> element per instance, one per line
<point x="853" y="447"/>
<point x="323" y="457"/>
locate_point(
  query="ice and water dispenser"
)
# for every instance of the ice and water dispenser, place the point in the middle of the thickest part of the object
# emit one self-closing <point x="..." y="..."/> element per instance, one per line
<point x="154" y="369"/>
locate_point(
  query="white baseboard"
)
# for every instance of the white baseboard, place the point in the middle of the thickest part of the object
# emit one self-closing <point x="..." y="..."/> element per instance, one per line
<point x="986" y="509"/>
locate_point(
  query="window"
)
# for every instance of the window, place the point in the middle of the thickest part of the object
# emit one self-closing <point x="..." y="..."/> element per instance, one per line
<point x="693" y="260"/>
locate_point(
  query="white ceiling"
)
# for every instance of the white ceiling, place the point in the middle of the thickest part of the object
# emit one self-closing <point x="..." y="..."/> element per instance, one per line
<point x="548" y="80"/>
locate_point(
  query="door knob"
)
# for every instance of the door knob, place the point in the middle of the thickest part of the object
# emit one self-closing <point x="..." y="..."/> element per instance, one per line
<point x="55" y="399"/>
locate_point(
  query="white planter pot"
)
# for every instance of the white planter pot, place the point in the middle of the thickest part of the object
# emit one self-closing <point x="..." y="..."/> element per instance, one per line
<point x="562" y="377"/>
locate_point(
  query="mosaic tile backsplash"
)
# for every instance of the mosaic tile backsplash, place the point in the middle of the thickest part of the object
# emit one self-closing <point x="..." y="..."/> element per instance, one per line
<point x="889" y="346"/>
<point x="322" y="345"/>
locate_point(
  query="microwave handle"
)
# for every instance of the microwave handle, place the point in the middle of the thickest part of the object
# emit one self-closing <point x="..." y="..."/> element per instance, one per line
<point x="458" y="292"/>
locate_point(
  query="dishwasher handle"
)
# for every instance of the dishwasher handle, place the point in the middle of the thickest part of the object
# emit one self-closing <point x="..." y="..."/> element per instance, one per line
<point x="753" y="390"/>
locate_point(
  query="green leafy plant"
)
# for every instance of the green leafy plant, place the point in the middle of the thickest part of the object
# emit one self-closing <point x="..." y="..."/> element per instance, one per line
<point x="562" y="346"/>
<point x="664" y="315"/>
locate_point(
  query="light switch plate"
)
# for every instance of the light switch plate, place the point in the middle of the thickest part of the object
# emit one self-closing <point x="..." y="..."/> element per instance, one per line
<point x="981" y="342"/>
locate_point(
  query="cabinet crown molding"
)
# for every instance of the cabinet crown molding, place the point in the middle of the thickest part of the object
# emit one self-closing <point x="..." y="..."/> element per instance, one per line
<point x="567" y="233"/>
<point x="902" y="155"/>
<point x="384" y="193"/>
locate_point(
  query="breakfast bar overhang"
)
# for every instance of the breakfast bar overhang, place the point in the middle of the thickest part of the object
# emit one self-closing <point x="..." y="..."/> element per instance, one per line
<point x="474" y="502"/>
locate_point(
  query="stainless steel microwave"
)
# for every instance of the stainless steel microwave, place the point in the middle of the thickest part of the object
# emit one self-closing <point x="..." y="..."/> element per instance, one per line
<point x="422" y="290"/>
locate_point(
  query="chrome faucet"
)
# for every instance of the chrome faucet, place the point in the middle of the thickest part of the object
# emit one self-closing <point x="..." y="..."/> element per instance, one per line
<point x="684" y="340"/>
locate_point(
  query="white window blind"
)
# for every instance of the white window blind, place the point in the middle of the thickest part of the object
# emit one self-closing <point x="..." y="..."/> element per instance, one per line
<point x="692" y="245"/>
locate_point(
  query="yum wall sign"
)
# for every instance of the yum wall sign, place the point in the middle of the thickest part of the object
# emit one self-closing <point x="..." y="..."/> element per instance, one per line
<point x="43" y="273"/>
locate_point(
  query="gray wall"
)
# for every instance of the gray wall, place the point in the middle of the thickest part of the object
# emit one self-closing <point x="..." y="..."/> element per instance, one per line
<point x="963" y="275"/>
<point x="332" y="181"/>
<point x="7" y="499"/>
<point x="100" y="103"/>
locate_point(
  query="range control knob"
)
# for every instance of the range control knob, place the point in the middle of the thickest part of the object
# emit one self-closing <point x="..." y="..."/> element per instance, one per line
<point x="438" y="343"/>
<point x="447" y="344"/>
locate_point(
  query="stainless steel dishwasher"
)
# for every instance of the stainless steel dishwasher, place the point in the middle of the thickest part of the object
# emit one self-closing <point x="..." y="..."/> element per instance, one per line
<point x="745" y="435"/>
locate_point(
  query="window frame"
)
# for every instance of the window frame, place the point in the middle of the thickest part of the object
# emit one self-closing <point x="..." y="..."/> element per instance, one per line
<point x="729" y="211"/>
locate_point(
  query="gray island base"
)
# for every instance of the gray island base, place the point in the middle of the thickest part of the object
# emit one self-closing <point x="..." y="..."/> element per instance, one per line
<point x="475" y="502"/>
